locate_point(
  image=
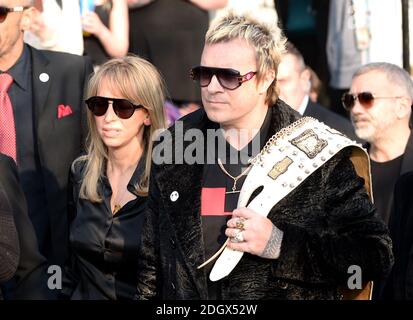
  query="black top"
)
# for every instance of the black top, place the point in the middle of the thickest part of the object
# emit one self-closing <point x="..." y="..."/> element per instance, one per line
<point x="217" y="199"/>
<point x="384" y="176"/>
<point x="92" y="45"/>
<point x="104" y="247"/>
<point x="170" y="34"/>
<point x="30" y="175"/>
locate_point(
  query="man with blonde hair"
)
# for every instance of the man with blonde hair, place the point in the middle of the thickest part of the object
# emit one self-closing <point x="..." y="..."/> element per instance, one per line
<point x="298" y="248"/>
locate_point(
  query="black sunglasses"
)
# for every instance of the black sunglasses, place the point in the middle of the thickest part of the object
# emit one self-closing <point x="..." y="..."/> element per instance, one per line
<point x="4" y="11"/>
<point x="123" y="108"/>
<point x="366" y="99"/>
<point x="228" y="78"/>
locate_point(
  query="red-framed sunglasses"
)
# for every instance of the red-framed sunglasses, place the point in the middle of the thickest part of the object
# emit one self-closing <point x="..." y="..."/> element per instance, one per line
<point x="228" y="78"/>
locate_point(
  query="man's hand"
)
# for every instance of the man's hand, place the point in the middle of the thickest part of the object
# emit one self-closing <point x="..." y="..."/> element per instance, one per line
<point x="258" y="235"/>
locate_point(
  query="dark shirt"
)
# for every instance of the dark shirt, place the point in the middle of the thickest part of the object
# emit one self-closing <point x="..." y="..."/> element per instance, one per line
<point x="217" y="199"/>
<point x="21" y="97"/>
<point x="384" y="177"/>
<point x="104" y="247"/>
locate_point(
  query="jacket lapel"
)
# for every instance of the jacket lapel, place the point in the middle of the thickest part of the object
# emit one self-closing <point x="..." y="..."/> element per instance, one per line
<point x="41" y="80"/>
<point x="184" y="212"/>
<point x="407" y="163"/>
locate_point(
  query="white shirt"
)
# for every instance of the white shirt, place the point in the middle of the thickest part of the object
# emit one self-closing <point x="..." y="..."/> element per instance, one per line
<point x="303" y="106"/>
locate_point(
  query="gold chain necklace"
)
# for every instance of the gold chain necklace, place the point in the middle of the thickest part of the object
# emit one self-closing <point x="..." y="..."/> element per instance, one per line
<point x="117" y="204"/>
<point x="234" y="187"/>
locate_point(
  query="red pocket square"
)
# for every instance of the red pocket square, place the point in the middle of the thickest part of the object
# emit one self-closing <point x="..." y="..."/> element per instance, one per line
<point x="63" y="111"/>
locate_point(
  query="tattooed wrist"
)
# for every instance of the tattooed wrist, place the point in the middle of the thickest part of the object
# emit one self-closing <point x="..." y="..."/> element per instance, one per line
<point x="273" y="247"/>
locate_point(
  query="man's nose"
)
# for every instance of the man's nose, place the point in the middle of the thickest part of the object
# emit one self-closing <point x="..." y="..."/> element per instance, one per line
<point x="214" y="85"/>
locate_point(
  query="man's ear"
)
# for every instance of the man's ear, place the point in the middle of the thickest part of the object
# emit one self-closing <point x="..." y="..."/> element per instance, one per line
<point x="403" y="107"/>
<point x="27" y="18"/>
<point x="305" y="77"/>
<point x="266" y="81"/>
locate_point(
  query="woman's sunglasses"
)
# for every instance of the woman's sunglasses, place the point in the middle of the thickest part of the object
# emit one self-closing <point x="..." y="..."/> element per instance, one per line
<point x="123" y="108"/>
<point x="366" y="99"/>
<point x="228" y="78"/>
<point x="4" y="11"/>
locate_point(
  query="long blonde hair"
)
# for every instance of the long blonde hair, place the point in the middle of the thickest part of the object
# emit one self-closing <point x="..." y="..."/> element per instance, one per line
<point x="138" y="81"/>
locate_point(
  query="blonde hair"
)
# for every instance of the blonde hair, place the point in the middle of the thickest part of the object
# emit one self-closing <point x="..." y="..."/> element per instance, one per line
<point x="268" y="41"/>
<point x="138" y="81"/>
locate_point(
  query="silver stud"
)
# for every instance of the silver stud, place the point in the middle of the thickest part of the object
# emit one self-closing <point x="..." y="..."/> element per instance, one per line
<point x="284" y="184"/>
<point x="295" y="153"/>
<point x="307" y="171"/>
<point x="323" y="158"/>
<point x="330" y="151"/>
<point x="299" y="178"/>
<point x="301" y="166"/>
<point x="315" y="165"/>
<point x="292" y="185"/>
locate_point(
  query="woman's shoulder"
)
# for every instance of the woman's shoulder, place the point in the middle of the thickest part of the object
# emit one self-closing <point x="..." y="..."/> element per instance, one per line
<point x="78" y="167"/>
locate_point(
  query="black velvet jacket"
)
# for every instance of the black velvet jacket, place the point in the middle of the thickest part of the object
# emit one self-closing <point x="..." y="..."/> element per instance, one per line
<point x="328" y="224"/>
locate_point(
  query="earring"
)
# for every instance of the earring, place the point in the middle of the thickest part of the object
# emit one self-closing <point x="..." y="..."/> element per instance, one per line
<point x="147" y="121"/>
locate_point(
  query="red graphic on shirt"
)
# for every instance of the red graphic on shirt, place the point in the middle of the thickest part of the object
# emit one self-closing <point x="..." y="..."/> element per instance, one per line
<point x="213" y="202"/>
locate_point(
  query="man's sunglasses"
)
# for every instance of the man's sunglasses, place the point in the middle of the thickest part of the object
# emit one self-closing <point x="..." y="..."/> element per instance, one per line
<point x="4" y="11"/>
<point x="123" y="108"/>
<point x="228" y="78"/>
<point x="366" y="99"/>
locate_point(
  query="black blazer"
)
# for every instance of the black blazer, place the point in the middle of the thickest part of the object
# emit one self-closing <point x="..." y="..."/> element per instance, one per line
<point x="331" y="119"/>
<point x="9" y="243"/>
<point x="400" y="283"/>
<point x="30" y="280"/>
<point x="58" y="140"/>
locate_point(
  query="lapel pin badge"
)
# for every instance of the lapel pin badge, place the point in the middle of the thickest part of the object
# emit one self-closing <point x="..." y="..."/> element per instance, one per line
<point x="174" y="196"/>
<point x="44" y="77"/>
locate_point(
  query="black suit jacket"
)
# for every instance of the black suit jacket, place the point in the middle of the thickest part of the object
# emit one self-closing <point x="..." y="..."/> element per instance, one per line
<point x="400" y="283"/>
<point x="30" y="280"/>
<point x="331" y="119"/>
<point x="9" y="243"/>
<point x="58" y="140"/>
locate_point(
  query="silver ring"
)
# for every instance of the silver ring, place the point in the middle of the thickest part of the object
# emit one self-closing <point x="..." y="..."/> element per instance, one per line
<point x="240" y="224"/>
<point x="238" y="237"/>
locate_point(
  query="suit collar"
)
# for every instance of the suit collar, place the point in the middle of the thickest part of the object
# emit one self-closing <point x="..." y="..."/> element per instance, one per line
<point x="41" y="79"/>
<point x="19" y="71"/>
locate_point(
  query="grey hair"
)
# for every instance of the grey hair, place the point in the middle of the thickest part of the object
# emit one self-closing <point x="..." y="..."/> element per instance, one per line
<point x="394" y="74"/>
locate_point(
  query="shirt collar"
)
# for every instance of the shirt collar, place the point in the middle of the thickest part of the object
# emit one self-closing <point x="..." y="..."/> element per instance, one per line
<point x="134" y="180"/>
<point x="303" y="106"/>
<point x="19" y="71"/>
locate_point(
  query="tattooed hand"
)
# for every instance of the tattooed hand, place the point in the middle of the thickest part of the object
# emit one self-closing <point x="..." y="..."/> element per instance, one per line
<point x="259" y="235"/>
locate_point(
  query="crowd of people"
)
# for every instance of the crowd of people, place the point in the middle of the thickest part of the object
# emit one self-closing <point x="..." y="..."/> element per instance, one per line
<point x="149" y="152"/>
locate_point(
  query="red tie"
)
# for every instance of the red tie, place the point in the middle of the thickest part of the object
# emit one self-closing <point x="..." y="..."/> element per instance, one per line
<point x="7" y="128"/>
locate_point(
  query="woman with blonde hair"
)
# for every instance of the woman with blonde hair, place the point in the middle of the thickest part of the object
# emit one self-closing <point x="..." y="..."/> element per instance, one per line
<point x="110" y="183"/>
